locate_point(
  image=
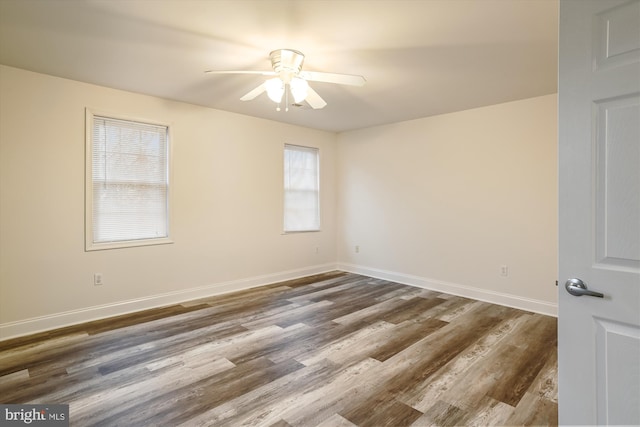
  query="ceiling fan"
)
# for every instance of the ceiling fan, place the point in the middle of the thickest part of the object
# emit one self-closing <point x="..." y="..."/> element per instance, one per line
<point x="287" y="74"/>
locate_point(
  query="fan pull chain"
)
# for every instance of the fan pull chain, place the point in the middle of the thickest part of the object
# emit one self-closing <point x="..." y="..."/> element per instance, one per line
<point x="286" y="98"/>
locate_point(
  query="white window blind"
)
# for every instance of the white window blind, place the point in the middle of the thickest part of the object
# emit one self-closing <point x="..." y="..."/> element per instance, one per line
<point x="301" y="189"/>
<point x="130" y="181"/>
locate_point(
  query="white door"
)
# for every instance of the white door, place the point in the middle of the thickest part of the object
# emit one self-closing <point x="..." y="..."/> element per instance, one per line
<point x="599" y="190"/>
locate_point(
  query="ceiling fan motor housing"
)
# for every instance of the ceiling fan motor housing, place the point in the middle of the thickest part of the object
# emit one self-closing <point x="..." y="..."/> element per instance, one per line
<point x="287" y="62"/>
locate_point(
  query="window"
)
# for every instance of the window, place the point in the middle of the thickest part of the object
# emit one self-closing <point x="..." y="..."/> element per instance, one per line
<point x="301" y="189"/>
<point x="127" y="189"/>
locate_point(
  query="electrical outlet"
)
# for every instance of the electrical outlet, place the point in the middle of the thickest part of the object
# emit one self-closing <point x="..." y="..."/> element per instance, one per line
<point x="504" y="270"/>
<point x="357" y="249"/>
<point x="97" y="279"/>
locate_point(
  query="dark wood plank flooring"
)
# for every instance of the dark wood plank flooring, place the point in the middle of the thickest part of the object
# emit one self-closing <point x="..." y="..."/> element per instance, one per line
<point x="335" y="349"/>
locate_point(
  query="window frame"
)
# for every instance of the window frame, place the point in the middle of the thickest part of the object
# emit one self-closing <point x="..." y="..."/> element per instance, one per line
<point x="284" y="191"/>
<point x="90" y="244"/>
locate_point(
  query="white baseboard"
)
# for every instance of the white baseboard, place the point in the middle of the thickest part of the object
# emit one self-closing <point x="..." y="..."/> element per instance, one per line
<point x="528" y="304"/>
<point x="68" y="318"/>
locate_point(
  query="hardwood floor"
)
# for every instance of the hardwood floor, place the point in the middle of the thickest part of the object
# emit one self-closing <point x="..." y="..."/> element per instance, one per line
<point x="335" y="349"/>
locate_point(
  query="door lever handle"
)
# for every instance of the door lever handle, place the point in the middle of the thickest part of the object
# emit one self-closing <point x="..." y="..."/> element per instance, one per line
<point x="577" y="287"/>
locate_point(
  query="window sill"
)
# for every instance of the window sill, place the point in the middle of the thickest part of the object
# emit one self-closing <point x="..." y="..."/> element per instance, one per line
<point x="126" y="244"/>
<point x="300" y="231"/>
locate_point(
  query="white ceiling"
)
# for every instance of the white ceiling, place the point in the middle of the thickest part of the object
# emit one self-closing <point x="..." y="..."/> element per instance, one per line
<point x="420" y="57"/>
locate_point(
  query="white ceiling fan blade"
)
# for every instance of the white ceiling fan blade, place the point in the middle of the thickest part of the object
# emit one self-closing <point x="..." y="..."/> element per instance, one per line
<point x="341" y="79"/>
<point x="254" y="93"/>
<point x="262" y="73"/>
<point x="314" y="100"/>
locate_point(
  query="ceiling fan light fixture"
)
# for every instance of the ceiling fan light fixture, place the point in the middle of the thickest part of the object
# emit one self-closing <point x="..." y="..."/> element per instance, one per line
<point x="289" y="79"/>
<point x="275" y="89"/>
<point x="299" y="89"/>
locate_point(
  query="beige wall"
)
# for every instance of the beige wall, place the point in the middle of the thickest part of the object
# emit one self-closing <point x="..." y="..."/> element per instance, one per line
<point x="439" y="202"/>
<point x="226" y="196"/>
<point x="444" y="201"/>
